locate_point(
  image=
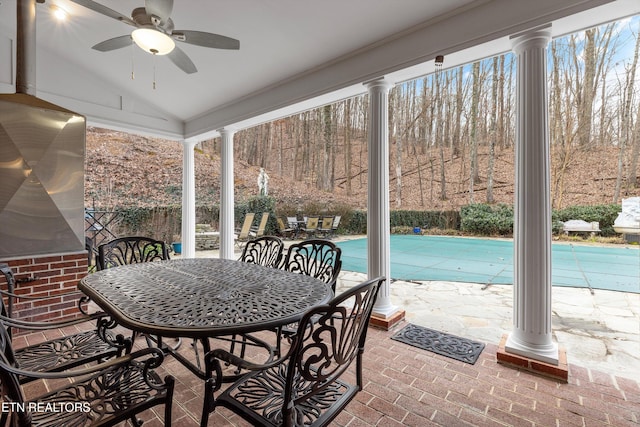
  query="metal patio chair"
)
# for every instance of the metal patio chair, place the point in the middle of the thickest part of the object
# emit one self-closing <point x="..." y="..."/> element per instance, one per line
<point x="311" y="226"/>
<point x="131" y="250"/>
<point x="307" y="385"/>
<point x="315" y="257"/>
<point x="107" y="394"/>
<point x="266" y="251"/>
<point x="284" y="230"/>
<point x="324" y="228"/>
<point x="334" y="226"/>
<point x="134" y="250"/>
<point x="62" y="353"/>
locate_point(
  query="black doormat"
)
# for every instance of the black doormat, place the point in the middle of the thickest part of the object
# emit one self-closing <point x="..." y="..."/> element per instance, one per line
<point x="448" y="345"/>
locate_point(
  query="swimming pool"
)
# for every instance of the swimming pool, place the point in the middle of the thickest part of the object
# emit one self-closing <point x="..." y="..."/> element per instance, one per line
<point x="474" y="260"/>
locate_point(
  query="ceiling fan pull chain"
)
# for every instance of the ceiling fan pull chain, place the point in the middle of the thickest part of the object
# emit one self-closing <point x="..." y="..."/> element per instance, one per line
<point x="133" y="76"/>
<point x="154" y="71"/>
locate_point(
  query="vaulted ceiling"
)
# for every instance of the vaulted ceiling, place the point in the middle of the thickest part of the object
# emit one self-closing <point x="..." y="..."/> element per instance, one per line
<point x="294" y="54"/>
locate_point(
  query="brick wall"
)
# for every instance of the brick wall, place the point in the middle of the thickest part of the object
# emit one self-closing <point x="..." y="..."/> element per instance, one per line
<point x="47" y="276"/>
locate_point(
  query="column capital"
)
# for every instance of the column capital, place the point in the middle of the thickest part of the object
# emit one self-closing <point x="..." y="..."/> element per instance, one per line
<point x="228" y="130"/>
<point x="379" y="83"/>
<point x="535" y="37"/>
<point x="189" y="143"/>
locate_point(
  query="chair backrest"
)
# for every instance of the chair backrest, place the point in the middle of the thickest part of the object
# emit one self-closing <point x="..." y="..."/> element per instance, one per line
<point x="246" y="225"/>
<point x="263" y="224"/>
<point x="265" y="251"/>
<point x="11" y="285"/>
<point x="131" y="250"/>
<point x="281" y="226"/>
<point x="336" y="222"/>
<point x="312" y="223"/>
<point x="329" y="338"/>
<point x="326" y="224"/>
<point x="293" y="221"/>
<point x="315" y="257"/>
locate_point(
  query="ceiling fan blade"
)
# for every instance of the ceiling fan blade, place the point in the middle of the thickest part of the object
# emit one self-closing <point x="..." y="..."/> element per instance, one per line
<point x="178" y="57"/>
<point x="97" y="7"/>
<point x="200" y="38"/>
<point x="160" y="8"/>
<point x="114" y="43"/>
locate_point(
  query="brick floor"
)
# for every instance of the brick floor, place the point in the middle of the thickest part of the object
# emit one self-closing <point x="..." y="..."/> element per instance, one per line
<point x="406" y="386"/>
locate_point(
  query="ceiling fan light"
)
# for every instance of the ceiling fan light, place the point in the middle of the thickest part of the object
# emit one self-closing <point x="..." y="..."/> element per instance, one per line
<point x="153" y="41"/>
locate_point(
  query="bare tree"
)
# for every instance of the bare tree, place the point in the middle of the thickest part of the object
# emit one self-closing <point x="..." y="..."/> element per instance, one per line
<point x="632" y="182"/>
<point x="475" y="99"/>
<point x="626" y="124"/>
<point x="439" y="135"/>
<point x="492" y="136"/>
<point x="347" y="145"/>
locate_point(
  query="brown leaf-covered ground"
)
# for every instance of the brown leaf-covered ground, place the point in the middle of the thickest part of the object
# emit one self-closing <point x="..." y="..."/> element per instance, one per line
<point x="131" y="170"/>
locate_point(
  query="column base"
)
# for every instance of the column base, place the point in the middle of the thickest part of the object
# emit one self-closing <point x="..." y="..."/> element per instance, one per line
<point x="386" y="322"/>
<point x="559" y="371"/>
<point x="545" y="353"/>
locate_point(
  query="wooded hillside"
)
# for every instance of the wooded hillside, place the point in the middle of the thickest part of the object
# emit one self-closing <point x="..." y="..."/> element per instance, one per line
<point x="451" y="135"/>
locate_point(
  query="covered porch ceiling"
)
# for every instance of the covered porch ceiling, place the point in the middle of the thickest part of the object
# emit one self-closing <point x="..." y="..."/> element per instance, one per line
<point x="294" y="54"/>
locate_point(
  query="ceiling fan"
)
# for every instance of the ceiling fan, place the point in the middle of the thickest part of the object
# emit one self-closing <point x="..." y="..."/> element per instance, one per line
<point x="155" y="32"/>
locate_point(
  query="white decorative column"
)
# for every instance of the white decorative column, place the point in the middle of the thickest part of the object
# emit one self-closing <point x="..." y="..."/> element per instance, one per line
<point x="531" y="336"/>
<point x="378" y="233"/>
<point x="226" y="195"/>
<point x="188" y="200"/>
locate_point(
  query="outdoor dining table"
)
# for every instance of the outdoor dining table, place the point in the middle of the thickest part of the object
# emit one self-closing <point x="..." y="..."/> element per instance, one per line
<point x="202" y="298"/>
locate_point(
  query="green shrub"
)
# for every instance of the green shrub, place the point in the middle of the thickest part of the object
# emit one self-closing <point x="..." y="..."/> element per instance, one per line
<point x="487" y="220"/>
<point x="425" y="219"/>
<point x="356" y="223"/>
<point x="604" y="214"/>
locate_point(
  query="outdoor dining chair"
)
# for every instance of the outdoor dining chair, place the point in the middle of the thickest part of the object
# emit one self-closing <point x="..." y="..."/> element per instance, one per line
<point x="311" y="226"/>
<point x="105" y="395"/>
<point x="131" y="250"/>
<point x="266" y="251"/>
<point x="324" y="228"/>
<point x="307" y="385"/>
<point x="284" y="230"/>
<point x="315" y="257"/>
<point x="335" y="225"/>
<point x="64" y="352"/>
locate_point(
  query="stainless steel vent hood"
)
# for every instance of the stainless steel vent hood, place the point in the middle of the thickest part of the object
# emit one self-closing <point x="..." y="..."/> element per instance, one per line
<point x="42" y="151"/>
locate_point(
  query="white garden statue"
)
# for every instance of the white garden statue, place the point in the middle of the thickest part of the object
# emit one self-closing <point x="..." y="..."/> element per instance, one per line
<point x="263" y="183"/>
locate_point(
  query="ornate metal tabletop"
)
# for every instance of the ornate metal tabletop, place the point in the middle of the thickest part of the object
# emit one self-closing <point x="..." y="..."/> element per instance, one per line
<point x="202" y="297"/>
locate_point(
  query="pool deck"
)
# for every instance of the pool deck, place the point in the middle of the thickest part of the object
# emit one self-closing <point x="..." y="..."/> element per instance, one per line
<point x="599" y="331"/>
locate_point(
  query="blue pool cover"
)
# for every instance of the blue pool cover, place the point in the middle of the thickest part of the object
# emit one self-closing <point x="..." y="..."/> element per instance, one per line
<point x="490" y="261"/>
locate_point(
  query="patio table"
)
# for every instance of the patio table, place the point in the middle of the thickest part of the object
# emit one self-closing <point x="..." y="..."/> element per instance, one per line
<point x="202" y="298"/>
